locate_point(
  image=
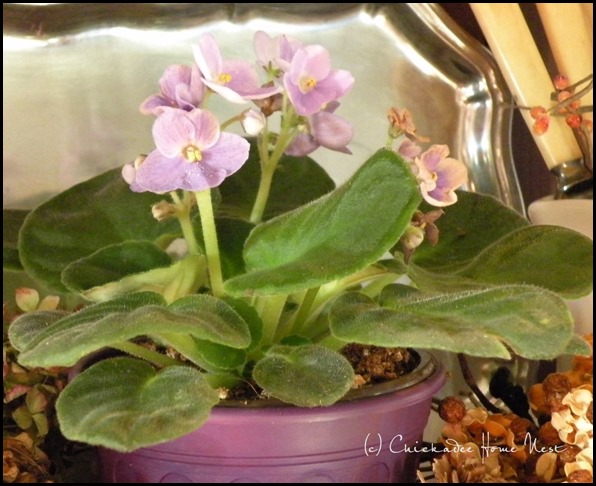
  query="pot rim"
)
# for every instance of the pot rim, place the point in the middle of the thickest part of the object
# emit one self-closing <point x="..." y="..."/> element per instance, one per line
<point x="427" y="366"/>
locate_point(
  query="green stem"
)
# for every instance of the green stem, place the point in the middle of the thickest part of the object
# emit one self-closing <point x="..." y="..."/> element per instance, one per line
<point x="227" y="123"/>
<point x="304" y="310"/>
<point x="154" y="357"/>
<point x="210" y="239"/>
<point x="183" y="215"/>
<point x="263" y="194"/>
<point x="270" y="308"/>
<point x="269" y="161"/>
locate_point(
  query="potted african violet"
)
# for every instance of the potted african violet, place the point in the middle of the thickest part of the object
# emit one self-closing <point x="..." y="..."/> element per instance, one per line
<point x="216" y="264"/>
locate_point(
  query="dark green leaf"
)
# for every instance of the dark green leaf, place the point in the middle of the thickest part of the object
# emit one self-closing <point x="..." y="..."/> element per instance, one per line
<point x="12" y="220"/>
<point x="113" y="263"/>
<point x="335" y="236"/>
<point x="183" y="277"/>
<point x="465" y="229"/>
<point x="306" y="376"/>
<point x="212" y="357"/>
<point x="297" y="181"/>
<point x="87" y="217"/>
<point x="107" y="324"/>
<point x="123" y="404"/>
<point x="23" y="335"/>
<point x="556" y="258"/>
<point x="533" y="322"/>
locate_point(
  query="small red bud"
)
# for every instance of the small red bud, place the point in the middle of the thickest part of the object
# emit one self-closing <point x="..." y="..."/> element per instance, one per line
<point x="574" y="120"/>
<point x="541" y="125"/>
<point x="537" y="112"/>
<point x="561" y="81"/>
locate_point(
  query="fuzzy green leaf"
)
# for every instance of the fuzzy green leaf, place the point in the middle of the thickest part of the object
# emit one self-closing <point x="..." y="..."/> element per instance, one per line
<point x="180" y="278"/>
<point x="533" y="322"/>
<point x="113" y="263"/>
<point x="24" y="333"/>
<point x="335" y="236"/>
<point x="83" y="219"/>
<point x="306" y="376"/>
<point x="466" y="228"/>
<point x="552" y="257"/>
<point x="209" y="356"/>
<point x="139" y="407"/>
<point x="69" y="339"/>
<point x="12" y="220"/>
<point x="296" y="181"/>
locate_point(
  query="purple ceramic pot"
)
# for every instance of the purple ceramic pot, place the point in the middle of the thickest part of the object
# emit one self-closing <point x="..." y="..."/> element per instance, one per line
<point x="368" y="437"/>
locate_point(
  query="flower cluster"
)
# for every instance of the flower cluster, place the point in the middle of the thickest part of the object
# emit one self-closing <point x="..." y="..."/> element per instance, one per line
<point x="193" y="153"/>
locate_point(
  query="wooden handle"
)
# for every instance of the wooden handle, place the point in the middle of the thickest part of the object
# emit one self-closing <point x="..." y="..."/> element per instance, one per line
<point x="515" y="51"/>
<point x="568" y="27"/>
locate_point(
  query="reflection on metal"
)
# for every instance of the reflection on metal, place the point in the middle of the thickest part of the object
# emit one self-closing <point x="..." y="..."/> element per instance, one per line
<point x="574" y="180"/>
<point x="75" y="74"/>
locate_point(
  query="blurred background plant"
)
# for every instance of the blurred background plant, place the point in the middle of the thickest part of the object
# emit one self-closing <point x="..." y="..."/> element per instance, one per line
<point x="34" y="450"/>
<point x="541" y="435"/>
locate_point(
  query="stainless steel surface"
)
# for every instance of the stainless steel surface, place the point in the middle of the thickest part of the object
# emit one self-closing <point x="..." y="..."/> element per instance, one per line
<point x="75" y="74"/>
<point x="574" y="180"/>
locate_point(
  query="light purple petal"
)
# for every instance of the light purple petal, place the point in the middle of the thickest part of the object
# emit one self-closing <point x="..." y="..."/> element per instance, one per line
<point x="208" y="56"/>
<point x="303" y="144"/>
<point x="180" y="87"/>
<point x="154" y="105"/>
<point x="228" y="154"/>
<point x="189" y="95"/>
<point x="161" y="174"/>
<point x="206" y="128"/>
<point x="172" y="77"/>
<point x="433" y="156"/>
<point x="245" y="81"/>
<point x="331" y="131"/>
<point x="129" y="173"/>
<point x="439" y="198"/>
<point x="266" y="48"/>
<point x="310" y="61"/>
<point x="340" y="81"/>
<point x="225" y="92"/>
<point x="409" y="150"/>
<point x="288" y="48"/>
<point x="306" y="104"/>
<point x="453" y="172"/>
<point x="172" y="131"/>
<point x="223" y="159"/>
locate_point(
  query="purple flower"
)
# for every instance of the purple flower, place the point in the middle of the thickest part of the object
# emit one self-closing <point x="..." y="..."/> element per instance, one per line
<point x="311" y="83"/>
<point x="236" y="81"/>
<point x="323" y="129"/>
<point x="180" y="87"/>
<point x="276" y="53"/>
<point x="409" y="150"/>
<point x="192" y="154"/>
<point x="439" y="176"/>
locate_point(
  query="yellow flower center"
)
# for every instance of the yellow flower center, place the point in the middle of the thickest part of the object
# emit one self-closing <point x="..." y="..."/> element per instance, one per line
<point x="192" y="154"/>
<point x="224" y="78"/>
<point x="307" y="84"/>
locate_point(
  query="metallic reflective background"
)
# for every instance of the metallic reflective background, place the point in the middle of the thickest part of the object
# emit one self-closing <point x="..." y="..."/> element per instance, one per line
<point x="74" y="75"/>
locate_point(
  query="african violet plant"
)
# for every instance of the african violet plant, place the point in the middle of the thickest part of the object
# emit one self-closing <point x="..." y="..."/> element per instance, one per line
<point x="215" y="259"/>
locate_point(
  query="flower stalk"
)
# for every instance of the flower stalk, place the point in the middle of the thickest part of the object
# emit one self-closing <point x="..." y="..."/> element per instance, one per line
<point x="210" y="238"/>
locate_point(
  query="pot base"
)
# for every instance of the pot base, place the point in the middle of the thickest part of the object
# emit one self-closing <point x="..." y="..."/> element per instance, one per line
<point x="359" y="440"/>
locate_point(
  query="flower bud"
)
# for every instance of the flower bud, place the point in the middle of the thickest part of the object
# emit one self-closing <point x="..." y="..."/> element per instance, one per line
<point x="163" y="210"/>
<point x="412" y="237"/>
<point x="253" y="122"/>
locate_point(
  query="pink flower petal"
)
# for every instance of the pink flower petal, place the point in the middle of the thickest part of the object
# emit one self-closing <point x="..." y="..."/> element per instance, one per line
<point x="161" y="174"/>
<point x="208" y="56"/>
